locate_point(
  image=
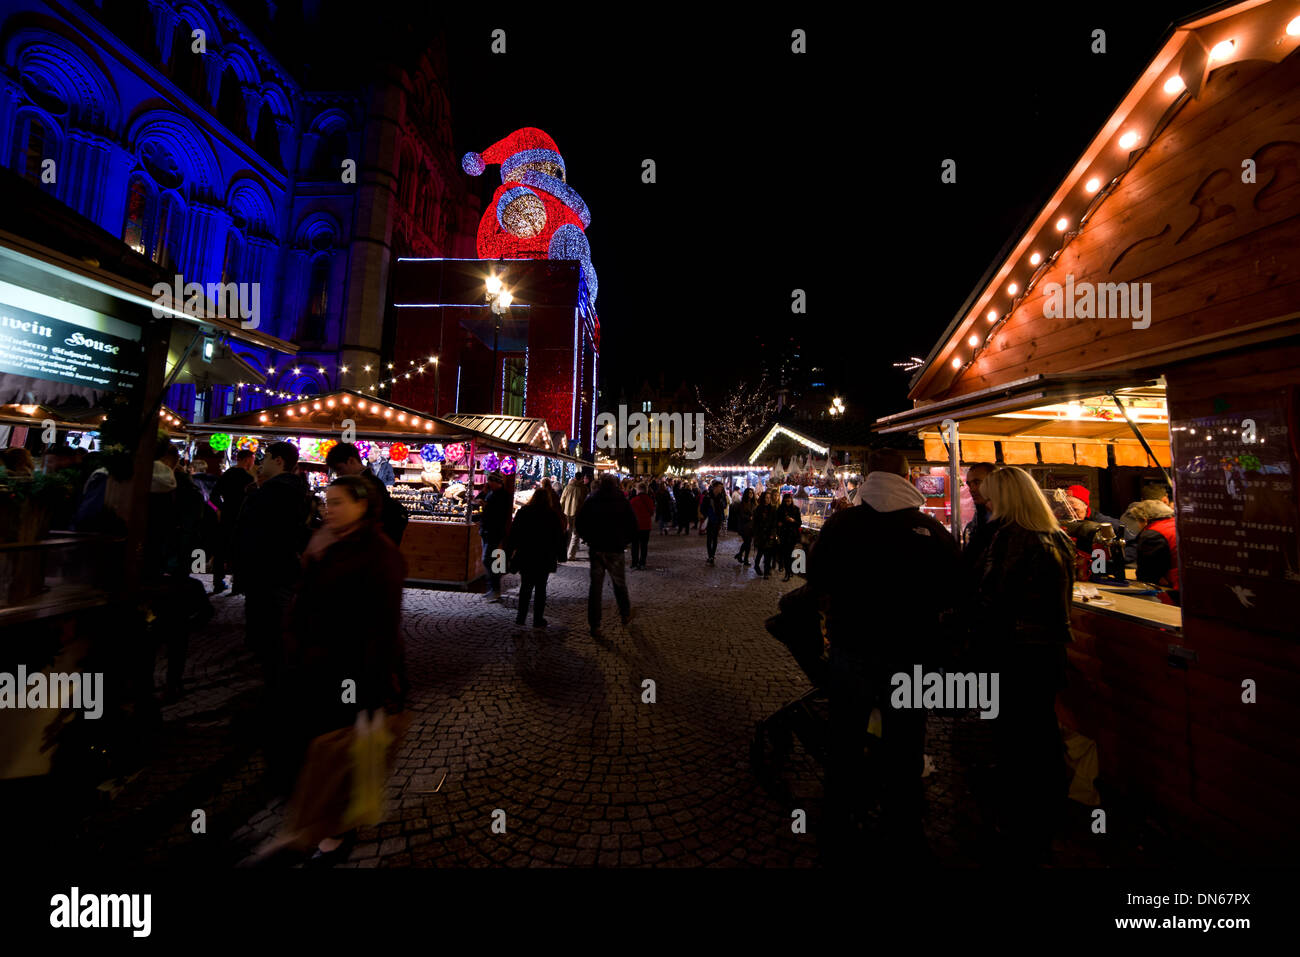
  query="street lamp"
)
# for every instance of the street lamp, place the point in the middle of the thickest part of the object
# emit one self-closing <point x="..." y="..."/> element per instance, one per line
<point x="837" y="406"/>
<point x="500" y="300"/>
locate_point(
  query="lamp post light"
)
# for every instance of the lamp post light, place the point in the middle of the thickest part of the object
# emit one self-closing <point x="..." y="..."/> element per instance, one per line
<point x="500" y="299"/>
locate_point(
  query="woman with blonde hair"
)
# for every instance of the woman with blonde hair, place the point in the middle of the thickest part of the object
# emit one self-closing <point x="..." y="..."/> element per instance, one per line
<point x="1023" y="615"/>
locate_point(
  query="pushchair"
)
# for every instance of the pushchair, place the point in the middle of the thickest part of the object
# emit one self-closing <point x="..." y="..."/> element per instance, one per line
<point x="800" y="627"/>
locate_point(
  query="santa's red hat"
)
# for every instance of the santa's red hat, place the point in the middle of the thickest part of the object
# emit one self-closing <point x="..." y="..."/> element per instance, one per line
<point x="528" y="145"/>
<point x="1082" y="494"/>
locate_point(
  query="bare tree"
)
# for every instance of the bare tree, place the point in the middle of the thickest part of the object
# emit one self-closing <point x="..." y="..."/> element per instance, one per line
<point x="743" y="411"/>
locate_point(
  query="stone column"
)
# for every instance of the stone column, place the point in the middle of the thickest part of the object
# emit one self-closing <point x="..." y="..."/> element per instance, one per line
<point x="164" y="22"/>
<point x="259" y="266"/>
<point x="117" y="177"/>
<point x="88" y="163"/>
<point x="253" y="105"/>
<point x="205" y="243"/>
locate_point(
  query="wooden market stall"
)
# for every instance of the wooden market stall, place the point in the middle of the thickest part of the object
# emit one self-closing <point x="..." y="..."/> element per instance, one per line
<point x="1164" y="276"/>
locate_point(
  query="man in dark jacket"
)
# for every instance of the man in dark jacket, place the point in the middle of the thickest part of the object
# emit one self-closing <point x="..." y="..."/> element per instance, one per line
<point x="885" y="554"/>
<point x="979" y="530"/>
<point x="607" y="524"/>
<point x="389" y="515"/>
<point x="228" y="496"/>
<point x="270" y="536"/>
<point x="494" y="521"/>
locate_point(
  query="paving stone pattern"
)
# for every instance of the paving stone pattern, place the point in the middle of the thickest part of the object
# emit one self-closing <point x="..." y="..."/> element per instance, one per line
<point x="549" y="727"/>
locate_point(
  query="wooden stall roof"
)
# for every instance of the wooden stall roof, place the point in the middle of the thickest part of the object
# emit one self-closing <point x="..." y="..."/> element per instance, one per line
<point x="514" y="429"/>
<point x="1156" y="197"/>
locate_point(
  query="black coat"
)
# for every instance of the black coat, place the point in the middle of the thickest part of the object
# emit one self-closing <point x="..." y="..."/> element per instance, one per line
<point x="877" y="568"/>
<point x="272" y="532"/>
<point x="606" y="522"/>
<point x="495" y="515"/>
<point x="765" y="526"/>
<point x="788" y="521"/>
<point x="532" y="543"/>
<point x="384" y="510"/>
<point x="228" y="493"/>
<point x="742" y="517"/>
<point x="1026" y="590"/>
<point x="346" y="625"/>
<point x="663" y="505"/>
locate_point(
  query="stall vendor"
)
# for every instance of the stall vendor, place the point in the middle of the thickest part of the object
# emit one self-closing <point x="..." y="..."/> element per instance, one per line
<point x="1155" y="542"/>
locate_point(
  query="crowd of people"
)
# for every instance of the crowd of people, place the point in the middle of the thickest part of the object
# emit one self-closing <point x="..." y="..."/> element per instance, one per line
<point x="1004" y="607"/>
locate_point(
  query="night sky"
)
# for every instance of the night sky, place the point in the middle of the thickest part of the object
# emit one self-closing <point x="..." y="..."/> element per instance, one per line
<point x="778" y="171"/>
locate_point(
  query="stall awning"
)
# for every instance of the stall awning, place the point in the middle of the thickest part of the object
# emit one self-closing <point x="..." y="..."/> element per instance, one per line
<point x="1038" y="390"/>
<point x="513" y="429"/>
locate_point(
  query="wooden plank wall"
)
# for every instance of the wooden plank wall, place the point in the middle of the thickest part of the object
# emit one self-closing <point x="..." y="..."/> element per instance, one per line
<point x="1245" y="757"/>
<point x="1221" y="255"/>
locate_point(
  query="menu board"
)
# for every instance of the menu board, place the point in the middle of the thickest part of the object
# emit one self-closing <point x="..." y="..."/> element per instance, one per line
<point x="1237" y="515"/>
<point x="43" y="347"/>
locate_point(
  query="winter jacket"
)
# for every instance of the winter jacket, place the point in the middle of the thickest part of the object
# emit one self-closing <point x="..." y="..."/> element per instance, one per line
<point x="742" y="517"/>
<point x="495" y="516"/>
<point x="531" y="545"/>
<point x="228" y="493"/>
<point x="1025" y="591"/>
<point x="1157" y="556"/>
<point x="664" y="505"/>
<point x="606" y="522"/>
<point x="346" y="617"/>
<point x="575" y="493"/>
<point x="875" y="566"/>
<point x="644" y="507"/>
<point x="272" y="532"/>
<point x="717" y="508"/>
<point x="765" y="530"/>
<point x="788" y="522"/>
<point x="385" y="511"/>
<point x="687" y="505"/>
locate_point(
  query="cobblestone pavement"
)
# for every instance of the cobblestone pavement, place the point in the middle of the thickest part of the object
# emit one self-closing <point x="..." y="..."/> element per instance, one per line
<point x="549" y="727"/>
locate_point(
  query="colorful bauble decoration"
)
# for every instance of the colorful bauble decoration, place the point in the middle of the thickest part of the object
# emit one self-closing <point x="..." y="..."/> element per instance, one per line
<point x="508" y="465"/>
<point x="455" y="452"/>
<point x="398" y="452"/>
<point x="248" y="442"/>
<point x="324" y="448"/>
<point x="432" y="453"/>
<point x="363" y="449"/>
<point x="490" y="462"/>
<point x="219" y="441"/>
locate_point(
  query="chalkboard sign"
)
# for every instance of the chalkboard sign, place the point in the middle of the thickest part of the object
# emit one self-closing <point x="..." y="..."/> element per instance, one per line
<point x="1235" y="496"/>
<point x="43" y="347"/>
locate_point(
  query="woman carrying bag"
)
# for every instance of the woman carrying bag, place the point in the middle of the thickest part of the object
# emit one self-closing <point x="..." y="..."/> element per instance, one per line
<point x="346" y="652"/>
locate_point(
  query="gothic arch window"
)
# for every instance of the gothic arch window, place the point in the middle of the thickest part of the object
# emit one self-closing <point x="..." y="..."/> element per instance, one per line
<point x="267" y="142"/>
<point x="137" y="230"/>
<point x="187" y="66"/>
<point x="318" y="299"/>
<point x="331" y="151"/>
<point x="231" y="111"/>
<point x="36" y="140"/>
<point x="232" y="262"/>
<point x="171" y="231"/>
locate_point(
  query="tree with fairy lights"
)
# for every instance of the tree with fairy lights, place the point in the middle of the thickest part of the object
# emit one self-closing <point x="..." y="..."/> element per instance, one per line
<point x="743" y="411"/>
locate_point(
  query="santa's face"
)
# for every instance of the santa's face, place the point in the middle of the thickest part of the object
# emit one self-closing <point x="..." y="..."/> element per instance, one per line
<point x="545" y="168"/>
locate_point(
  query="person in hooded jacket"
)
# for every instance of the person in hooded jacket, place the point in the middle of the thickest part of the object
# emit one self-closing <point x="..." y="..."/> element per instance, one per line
<point x="884" y="553"/>
<point x="765" y="534"/>
<point x="530" y="549"/>
<point x="1155" y="544"/>
<point x="607" y="524"/>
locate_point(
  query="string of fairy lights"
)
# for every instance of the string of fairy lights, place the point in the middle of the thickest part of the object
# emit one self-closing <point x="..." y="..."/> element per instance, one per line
<point x="1127" y="140"/>
<point x="276" y="393"/>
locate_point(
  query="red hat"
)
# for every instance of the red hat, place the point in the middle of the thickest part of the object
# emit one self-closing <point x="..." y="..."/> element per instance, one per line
<point x="1082" y="494"/>
<point x="528" y="145"/>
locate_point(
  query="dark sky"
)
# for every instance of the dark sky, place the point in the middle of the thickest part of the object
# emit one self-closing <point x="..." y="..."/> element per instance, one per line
<point x="818" y="172"/>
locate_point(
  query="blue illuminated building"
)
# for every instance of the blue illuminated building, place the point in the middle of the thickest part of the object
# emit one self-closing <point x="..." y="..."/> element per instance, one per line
<point x="172" y="124"/>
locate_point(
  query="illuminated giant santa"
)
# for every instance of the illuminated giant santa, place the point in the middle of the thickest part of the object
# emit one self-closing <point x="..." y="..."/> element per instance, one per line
<point x="534" y="213"/>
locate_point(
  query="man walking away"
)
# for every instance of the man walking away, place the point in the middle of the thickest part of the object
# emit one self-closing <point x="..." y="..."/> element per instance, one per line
<point x="575" y="494"/>
<point x="865" y="563"/>
<point x="607" y="524"/>
<point x="493" y="521"/>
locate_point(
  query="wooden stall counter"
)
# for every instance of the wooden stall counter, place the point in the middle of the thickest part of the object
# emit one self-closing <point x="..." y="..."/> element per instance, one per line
<point x="442" y="554"/>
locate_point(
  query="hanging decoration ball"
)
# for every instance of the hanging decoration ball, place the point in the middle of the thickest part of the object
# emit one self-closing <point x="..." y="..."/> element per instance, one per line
<point x="432" y="452"/>
<point x="508" y="465"/>
<point x="219" y="441"/>
<point x="398" y="452"/>
<point x="455" y="452"/>
<point x="308" y="448"/>
<point x="490" y="462"/>
<point x="363" y="449"/>
<point x="247" y="442"/>
<point x="472" y="163"/>
<point x="325" y="446"/>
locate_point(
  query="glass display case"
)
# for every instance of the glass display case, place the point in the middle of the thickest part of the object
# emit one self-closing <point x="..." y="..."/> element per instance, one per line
<point x="815" y="509"/>
<point x="425" y="504"/>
